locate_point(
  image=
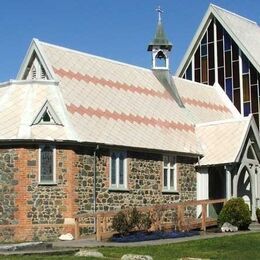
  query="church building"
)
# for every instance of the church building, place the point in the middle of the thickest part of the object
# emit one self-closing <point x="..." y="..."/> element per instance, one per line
<point x="82" y="133"/>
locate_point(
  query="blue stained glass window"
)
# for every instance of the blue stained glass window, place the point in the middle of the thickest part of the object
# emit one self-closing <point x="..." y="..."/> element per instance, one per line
<point x="227" y="41"/>
<point x="204" y="50"/>
<point x="189" y="72"/>
<point x="245" y="64"/>
<point x="229" y="88"/>
<point x="246" y="109"/>
<point x="204" y="39"/>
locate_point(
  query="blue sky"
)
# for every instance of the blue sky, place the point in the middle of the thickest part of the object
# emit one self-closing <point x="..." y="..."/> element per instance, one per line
<point x="116" y="29"/>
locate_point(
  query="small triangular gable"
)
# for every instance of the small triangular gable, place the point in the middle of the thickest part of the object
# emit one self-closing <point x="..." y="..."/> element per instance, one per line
<point x="35" y="66"/>
<point x="47" y="116"/>
<point x="250" y="148"/>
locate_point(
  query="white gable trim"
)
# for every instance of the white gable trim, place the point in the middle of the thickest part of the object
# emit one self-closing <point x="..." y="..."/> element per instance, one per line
<point x="35" y="47"/>
<point x="251" y="125"/>
<point x="46" y="108"/>
<point x="213" y="12"/>
<point x="194" y="42"/>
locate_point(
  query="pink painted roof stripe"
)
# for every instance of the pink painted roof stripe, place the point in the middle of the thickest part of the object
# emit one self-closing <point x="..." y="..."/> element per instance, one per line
<point x="109" y="83"/>
<point x="137" y="89"/>
<point x="129" y="117"/>
<point x="198" y="103"/>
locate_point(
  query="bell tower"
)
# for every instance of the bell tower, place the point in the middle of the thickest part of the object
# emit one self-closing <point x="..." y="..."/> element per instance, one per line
<point x="160" y="46"/>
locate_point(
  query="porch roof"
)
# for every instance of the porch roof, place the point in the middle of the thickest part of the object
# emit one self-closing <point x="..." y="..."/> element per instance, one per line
<point x="222" y="141"/>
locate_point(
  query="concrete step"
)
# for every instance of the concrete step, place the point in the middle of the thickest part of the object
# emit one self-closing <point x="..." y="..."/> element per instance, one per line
<point x="254" y="226"/>
<point x="25" y="246"/>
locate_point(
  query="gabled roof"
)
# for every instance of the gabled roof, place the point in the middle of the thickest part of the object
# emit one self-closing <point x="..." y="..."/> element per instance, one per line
<point x="108" y="102"/>
<point x="243" y="31"/>
<point x="115" y="103"/>
<point x="223" y="142"/>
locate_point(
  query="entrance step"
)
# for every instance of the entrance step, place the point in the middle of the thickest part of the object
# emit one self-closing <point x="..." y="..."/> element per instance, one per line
<point x="254" y="226"/>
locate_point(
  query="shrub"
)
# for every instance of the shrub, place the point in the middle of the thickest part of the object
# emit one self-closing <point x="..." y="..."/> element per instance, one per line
<point x="258" y="214"/>
<point x="125" y="221"/>
<point x="235" y="212"/>
<point x="135" y="217"/>
<point x="121" y="223"/>
<point x="145" y="222"/>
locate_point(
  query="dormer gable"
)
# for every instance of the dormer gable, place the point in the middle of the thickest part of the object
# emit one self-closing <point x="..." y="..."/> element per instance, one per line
<point x="46" y="116"/>
<point x="35" y="65"/>
<point x="35" y="70"/>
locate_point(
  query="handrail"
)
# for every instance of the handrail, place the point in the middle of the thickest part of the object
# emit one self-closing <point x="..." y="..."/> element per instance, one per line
<point x="102" y="216"/>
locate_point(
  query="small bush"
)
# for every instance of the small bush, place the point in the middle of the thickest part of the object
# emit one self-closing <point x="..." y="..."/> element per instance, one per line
<point x="121" y="223"/>
<point x="258" y="214"/>
<point x="135" y="217"/>
<point x="145" y="222"/>
<point x="126" y="221"/>
<point x="235" y="212"/>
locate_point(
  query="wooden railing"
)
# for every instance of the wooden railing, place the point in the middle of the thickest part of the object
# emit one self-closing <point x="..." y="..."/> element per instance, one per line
<point x="103" y="219"/>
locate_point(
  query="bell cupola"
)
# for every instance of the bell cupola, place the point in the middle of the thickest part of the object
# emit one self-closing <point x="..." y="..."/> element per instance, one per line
<point x="160" y="46"/>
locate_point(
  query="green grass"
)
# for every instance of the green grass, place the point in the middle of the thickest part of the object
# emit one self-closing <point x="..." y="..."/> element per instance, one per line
<point x="245" y="246"/>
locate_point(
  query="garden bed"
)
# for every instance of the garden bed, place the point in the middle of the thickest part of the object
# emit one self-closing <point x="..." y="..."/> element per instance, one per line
<point x="146" y="236"/>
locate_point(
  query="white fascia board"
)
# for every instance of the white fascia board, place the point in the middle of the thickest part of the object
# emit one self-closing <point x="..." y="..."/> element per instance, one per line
<point x="194" y="43"/>
<point x="227" y="101"/>
<point x="35" y="46"/>
<point x="251" y="124"/>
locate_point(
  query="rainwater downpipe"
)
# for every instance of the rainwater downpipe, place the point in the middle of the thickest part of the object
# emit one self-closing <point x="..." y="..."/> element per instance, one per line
<point x="94" y="184"/>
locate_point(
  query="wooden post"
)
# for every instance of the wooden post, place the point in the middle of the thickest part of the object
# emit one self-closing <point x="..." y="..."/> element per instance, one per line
<point x="180" y="216"/>
<point x="98" y="231"/>
<point x="203" y="217"/>
<point x="76" y="229"/>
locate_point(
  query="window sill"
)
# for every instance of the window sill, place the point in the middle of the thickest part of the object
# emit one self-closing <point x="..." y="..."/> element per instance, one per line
<point x="114" y="189"/>
<point x="47" y="184"/>
<point x="170" y="192"/>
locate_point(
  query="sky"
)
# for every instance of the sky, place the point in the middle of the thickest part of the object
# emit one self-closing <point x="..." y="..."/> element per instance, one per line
<point x="114" y="29"/>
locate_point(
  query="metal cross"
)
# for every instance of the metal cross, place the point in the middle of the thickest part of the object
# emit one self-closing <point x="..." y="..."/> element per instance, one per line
<point x="160" y="11"/>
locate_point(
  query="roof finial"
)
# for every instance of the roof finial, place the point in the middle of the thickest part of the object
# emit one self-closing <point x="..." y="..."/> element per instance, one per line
<point x="159" y="10"/>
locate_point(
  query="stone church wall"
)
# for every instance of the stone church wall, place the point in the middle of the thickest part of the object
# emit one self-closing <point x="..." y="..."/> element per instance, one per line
<point x="30" y="211"/>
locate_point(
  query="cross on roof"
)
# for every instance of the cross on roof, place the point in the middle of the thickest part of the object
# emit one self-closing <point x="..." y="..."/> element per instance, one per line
<point x="160" y="11"/>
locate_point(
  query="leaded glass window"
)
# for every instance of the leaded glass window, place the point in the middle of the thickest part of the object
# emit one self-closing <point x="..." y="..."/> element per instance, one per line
<point x="169" y="173"/>
<point x="47" y="164"/>
<point x="235" y="73"/>
<point x="118" y="170"/>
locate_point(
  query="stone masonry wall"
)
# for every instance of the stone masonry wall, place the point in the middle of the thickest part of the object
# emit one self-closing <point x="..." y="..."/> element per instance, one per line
<point x="7" y="184"/>
<point x="31" y="211"/>
<point x="25" y="203"/>
<point x="144" y="183"/>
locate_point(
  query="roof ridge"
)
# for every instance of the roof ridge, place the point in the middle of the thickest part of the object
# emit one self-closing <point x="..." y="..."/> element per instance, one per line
<point x="94" y="56"/>
<point x="218" y="122"/>
<point x="193" y="82"/>
<point x="232" y="13"/>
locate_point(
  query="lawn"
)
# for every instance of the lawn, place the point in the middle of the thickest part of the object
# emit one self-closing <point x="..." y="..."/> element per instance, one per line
<point x="246" y="246"/>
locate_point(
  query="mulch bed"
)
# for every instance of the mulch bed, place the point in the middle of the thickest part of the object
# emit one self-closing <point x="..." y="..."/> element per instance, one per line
<point x="145" y="236"/>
